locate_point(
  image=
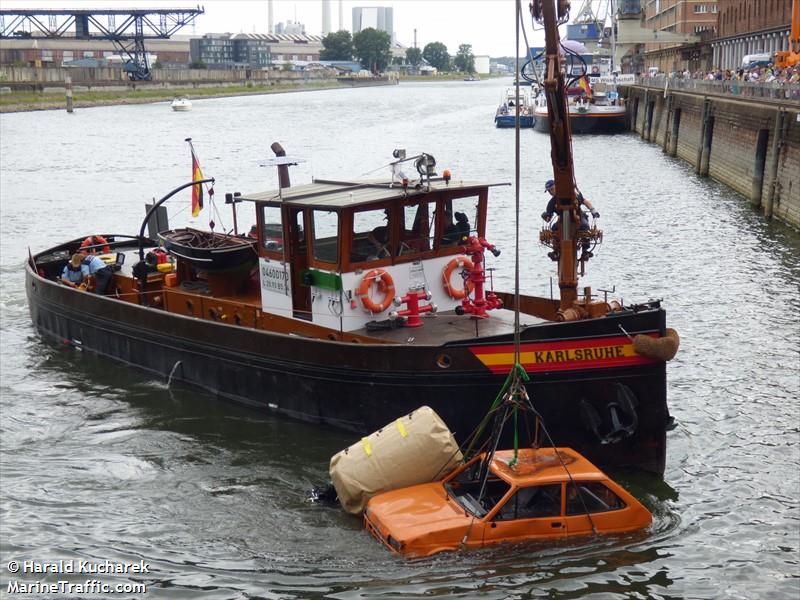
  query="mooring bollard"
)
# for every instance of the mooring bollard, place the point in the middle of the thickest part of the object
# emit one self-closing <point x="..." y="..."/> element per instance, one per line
<point x="68" y="89"/>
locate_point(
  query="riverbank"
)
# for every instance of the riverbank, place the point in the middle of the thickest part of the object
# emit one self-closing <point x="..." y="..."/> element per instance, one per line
<point x="31" y="101"/>
<point x="144" y="93"/>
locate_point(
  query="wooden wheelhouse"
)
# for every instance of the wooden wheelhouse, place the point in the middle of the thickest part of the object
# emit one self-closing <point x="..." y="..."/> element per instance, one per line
<point x="316" y="243"/>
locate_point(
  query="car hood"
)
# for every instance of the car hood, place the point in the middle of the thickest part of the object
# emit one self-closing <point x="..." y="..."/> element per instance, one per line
<point x="416" y="510"/>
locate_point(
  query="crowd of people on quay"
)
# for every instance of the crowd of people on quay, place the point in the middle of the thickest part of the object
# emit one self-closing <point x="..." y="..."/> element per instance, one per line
<point x="765" y="74"/>
<point x="762" y="81"/>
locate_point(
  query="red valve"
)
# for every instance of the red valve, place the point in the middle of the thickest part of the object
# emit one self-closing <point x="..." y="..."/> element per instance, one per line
<point x="412" y="301"/>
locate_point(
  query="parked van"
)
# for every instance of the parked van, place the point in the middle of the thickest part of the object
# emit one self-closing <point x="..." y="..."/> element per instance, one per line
<point x="756" y="60"/>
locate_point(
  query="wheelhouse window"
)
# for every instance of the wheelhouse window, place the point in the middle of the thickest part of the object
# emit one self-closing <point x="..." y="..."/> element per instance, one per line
<point x="594" y="497"/>
<point x="326" y="235"/>
<point x="459" y="220"/>
<point x="532" y="502"/>
<point x="417" y="230"/>
<point x="371" y="235"/>
<point x="271" y="229"/>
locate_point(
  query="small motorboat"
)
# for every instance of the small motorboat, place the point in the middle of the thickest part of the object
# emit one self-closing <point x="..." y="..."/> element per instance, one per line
<point x="541" y="494"/>
<point x="181" y="104"/>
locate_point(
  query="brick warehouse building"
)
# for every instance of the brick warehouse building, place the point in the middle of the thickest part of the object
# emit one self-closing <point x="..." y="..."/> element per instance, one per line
<point x="750" y="27"/>
<point x="695" y="17"/>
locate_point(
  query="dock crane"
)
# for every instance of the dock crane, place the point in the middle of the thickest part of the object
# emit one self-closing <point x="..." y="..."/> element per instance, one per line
<point x="791" y="57"/>
<point x="128" y="35"/>
<point x="566" y="238"/>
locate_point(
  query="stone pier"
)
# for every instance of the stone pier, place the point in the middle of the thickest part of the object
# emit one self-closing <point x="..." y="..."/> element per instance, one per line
<point x="746" y="136"/>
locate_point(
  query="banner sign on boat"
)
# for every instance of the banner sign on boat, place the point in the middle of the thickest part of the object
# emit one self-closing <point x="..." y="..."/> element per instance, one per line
<point x="621" y="79"/>
<point x="597" y="353"/>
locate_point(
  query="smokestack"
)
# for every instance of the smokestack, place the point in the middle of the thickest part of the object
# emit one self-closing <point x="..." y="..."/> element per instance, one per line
<point x="326" y="17"/>
<point x="341" y="16"/>
<point x="270" y="23"/>
<point x="283" y="170"/>
<point x="415" y="37"/>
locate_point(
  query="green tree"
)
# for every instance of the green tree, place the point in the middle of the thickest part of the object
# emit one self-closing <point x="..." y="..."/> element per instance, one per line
<point x="465" y="59"/>
<point x="414" y="56"/>
<point x="373" y="48"/>
<point x="436" y="55"/>
<point x="337" y="46"/>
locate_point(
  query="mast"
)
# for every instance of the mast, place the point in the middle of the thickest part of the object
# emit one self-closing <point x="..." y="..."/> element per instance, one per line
<point x="567" y="205"/>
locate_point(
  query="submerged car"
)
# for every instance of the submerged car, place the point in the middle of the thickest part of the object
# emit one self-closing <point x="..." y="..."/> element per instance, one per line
<point x="546" y="494"/>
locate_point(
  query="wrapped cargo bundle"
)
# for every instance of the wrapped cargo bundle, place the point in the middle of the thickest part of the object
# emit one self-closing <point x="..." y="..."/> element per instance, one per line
<point x="416" y="448"/>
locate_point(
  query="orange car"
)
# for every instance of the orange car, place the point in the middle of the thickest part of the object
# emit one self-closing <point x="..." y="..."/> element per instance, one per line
<point x="536" y="499"/>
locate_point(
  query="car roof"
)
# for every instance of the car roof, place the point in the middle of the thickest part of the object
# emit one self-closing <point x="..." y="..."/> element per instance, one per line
<point x="537" y="466"/>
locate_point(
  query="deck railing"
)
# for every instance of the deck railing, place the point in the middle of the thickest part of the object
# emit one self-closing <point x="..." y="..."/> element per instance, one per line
<point x="746" y="89"/>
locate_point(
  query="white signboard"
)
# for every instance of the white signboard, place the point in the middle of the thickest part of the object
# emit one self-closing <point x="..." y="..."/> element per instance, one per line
<point x="626" y="79"/>
<point x="276" y="286"/>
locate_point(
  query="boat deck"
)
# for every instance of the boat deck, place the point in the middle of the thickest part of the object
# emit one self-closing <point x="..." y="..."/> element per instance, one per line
<point x="244" y="309"/>
<point x="445" y="327"/>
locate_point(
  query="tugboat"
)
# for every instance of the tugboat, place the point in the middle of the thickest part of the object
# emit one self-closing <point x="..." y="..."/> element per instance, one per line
<point x="368" y="299"/>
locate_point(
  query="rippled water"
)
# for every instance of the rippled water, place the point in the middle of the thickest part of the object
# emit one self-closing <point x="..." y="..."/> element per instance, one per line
<point x="101" y="462"/>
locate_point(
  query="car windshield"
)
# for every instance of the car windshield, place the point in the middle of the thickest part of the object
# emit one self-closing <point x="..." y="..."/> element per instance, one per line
<point x="466" y="488"/>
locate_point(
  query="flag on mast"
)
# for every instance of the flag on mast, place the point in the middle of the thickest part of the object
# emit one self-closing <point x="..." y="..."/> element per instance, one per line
<point x="584" y="83"/>
<point x="197" y="190"/>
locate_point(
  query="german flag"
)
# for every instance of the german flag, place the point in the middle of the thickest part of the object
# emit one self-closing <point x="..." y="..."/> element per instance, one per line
<point x="584" y="83"/>
<point x="197" y="190"/>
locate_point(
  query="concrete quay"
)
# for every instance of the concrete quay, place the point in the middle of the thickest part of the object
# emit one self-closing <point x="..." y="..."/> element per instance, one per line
<point x="746" y="136"/>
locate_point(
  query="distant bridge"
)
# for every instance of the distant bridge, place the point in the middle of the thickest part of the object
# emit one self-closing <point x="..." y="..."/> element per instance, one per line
<point x="126" y="28"/>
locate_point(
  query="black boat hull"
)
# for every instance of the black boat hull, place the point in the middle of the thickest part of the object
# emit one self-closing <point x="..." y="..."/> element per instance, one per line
<point x="586" y="124"/>
<point x="359" y="387"/>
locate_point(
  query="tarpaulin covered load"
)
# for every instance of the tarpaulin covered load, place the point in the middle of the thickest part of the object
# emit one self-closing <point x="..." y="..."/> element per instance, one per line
<point x="416" y="448"/>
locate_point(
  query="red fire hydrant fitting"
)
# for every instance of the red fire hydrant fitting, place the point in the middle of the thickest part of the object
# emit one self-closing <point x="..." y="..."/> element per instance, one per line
<point x="477" y="307"/>
<point x="412" y="301"/>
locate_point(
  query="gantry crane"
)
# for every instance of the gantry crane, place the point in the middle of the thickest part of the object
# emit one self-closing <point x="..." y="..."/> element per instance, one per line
<point x="134" y="27"/>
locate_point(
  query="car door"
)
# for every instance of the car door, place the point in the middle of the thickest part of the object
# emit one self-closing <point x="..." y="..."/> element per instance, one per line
<point x="533" y="512"/>
<point x="602" y="504"/>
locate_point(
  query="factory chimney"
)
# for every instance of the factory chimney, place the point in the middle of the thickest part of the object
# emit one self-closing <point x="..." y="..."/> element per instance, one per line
<point x="341" y="17"/>
<point x="326" y="17"/>
<point x="270" y="22"/>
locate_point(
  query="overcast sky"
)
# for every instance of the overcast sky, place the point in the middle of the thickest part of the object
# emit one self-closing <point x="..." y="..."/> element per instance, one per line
<point x="486" y="24"/>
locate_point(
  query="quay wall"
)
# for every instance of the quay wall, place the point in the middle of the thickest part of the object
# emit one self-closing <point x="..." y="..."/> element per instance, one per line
<point x="107" y="78"/>
<point x="750" y="144"/>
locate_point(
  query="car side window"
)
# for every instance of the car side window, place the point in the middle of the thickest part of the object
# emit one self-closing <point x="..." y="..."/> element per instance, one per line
<point x="594" y="498"/>
<point x="532" y="502"/>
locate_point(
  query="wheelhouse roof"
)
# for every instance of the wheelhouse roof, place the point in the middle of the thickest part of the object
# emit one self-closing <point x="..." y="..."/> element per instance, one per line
<point x="338" y="195"/>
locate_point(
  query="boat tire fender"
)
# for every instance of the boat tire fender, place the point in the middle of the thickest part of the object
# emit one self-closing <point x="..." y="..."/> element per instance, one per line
<point x="385" y="285"/>
<point x="663" y="348"/>
<point x="457" y="293"/>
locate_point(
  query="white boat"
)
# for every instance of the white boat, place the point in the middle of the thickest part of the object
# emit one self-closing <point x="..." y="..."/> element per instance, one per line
<point x="590" y="110"/>
<point x="181" y="103"/>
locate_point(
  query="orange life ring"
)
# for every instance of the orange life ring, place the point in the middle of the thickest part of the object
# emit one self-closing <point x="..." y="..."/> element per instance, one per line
<point x="385" y="285"/>
<point x="96" y="240"/>
<point x="455" y="292"/>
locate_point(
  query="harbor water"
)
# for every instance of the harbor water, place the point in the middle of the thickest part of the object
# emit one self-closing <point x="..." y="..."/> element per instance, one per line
<point x="100" y="462"/>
